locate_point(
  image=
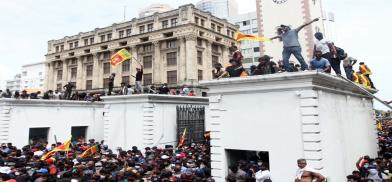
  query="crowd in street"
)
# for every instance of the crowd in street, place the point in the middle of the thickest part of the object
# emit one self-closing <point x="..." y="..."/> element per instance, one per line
<point x="101" y="164"/>
<point x="376" y="168"/>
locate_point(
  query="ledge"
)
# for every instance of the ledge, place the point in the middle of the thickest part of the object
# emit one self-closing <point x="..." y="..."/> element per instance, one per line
<point x="41" y="102"/>
<point x="283" y="81"/>
<point x="155" y="98"/>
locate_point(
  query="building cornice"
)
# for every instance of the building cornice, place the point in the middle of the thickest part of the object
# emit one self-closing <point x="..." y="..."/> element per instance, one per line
<point x="46" y="103"/>
<point x="154" y="98"/>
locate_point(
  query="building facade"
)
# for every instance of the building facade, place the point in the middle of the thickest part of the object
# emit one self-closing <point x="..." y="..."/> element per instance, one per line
<point x="272" y="13"/>
<point x="14" y="84"/>
<point x="33" y="76"/>
<point x="176" y="47"/>
<point x="248" y="25"/>
<point x="219" y="8"/>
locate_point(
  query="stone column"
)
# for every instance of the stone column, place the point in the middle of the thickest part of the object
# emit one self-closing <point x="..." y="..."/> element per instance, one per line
<point x="156" y="67"/>
<point x="134" y="64"/>
<point x="181" y="63"/>
<point x="225" y="55"/>
<point x="191" y="63"/>
<point x="65" y="79"/>
<point x="207" y="59"/>
<point x="48" y="76"/>
<point x="97" y="72"/>
<point x="80" y="79"/>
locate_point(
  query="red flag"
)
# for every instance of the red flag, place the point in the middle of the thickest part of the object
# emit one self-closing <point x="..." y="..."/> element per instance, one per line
<point x="182" y="139"/>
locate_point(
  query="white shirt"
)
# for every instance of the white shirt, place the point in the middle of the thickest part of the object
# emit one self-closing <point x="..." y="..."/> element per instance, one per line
<point x="322" y="45"/>
<point x="262" y="175"/>
<point x="130" y="91"/>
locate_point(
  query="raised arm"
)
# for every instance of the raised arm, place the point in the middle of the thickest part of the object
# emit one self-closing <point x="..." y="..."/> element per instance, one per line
<point x="276" y="37"/>
<point x="306" y="24"/>
<point x="320" y="178"/>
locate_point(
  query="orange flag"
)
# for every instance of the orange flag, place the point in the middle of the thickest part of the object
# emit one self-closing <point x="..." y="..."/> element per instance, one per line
<point x="90" y="151"/>
<point x="241" y="36"/>
<point x="182" y="139"/>
<point x="63" y="147"/>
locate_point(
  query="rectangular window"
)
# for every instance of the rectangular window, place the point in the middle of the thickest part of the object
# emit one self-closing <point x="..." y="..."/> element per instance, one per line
<point x="141" y="29"/>
<point x="199" y="42"/>
<point x="254" y="30"/>
<point x="228" y="33"/>
<point x="59" y="75"/>
<point x="172" y="77"/>
<point x="213" y="26"/>
<point x="62" y="48"/>
<point x="125" y="79"/>
<point x="73" y="61"/>
<point x="197" y="20"/>
<point x="121" y="34"/>
<point x="147" y="61"/>
<point x="76" y="44"/>
<point x="256" y="49"/>
<point x="106" y="55"/>
<point x="105" y="83"/>
<point x="171" y="44"/>
<point x="85" y="42"/>
<point x="57" y="48"/>
<point x="92" y="40"/>
<point x="245" y="23"/>
<point x="89" y="70"/>
<point x="202" y="22"/>
<point x="200" y="57"/>
<point x="165" y="24"/>
<point x="200" y="75"/>
<point x="71" y="45"/>
<point x="109" y="37"/>
<point x="38" y="134"/>
<point x="102" y="38"/>
<point x="150" y="27"/>
<point x="106" y="68"/>
<point x="147" y="79"/>
<point x="147" y="48"/>
<point x="89" y="58"/>
<point x="218" y="28"/>
<point x="171" y="58"/>
<point x="174" y="22"/>
<point x="89" y="84"/>
<point x="125" y="66"/>
<point x="129" y="32"/>
<point x="215" y="59"/>
<point x="215" y="48"/>
<point x="73" y="73"/>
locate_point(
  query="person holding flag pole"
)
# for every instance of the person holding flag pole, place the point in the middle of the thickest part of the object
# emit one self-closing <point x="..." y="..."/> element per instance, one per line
<point x="182" y="139"/>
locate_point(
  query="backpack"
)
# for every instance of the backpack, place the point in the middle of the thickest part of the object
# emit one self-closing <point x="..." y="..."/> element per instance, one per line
<point x="339" y="53"/>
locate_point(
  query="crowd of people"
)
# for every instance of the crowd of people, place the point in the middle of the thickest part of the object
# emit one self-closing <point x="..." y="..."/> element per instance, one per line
<point x="31" y="163"/>
<point x="377" y="168"/>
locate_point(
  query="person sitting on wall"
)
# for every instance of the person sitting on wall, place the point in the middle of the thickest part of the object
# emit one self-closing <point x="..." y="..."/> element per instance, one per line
<point x="234" y="70"/>
<point x="218" y="71"/>
<point x="365" y="71"/>
<point x="123" y="89"/>
<point x="265" y="66"/>
<point x="236" y="54"/>
<point x="319" y="63"/>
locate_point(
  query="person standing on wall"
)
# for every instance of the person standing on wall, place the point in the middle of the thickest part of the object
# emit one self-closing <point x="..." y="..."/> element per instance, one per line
<point x="328" y="51"/>
<point x="139" y="78"/>
<point x="111" y="83"/>
<point x="68" y="90"/>
<point x="291" y="44"/>
<point x="348" y="63"/>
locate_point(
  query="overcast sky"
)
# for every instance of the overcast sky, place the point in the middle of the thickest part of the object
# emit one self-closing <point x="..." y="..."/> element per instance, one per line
<point x="27" y="25"/>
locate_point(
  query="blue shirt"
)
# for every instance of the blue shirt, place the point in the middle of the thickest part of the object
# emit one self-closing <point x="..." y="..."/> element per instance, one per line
<point x="290" y="38"/>
<point x="319" y="65"/>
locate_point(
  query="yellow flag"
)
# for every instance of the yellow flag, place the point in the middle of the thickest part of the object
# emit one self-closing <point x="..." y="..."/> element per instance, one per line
<point x="241" y="36"/>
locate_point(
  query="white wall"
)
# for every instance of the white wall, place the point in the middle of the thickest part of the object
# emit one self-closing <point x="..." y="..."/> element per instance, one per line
<point x="143" y="120"/>
<point x="291" y="115"/>
<point x="18" y="116"/>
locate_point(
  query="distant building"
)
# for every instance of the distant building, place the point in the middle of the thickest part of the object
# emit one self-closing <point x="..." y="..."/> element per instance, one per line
<point x="219" y="8"/>
<point x="33" y="76"/>
<point x="272" y="13"/>
<point x="176" y="47"/>
<point x="248" y="25"/>
<point x="154" y="8"/>
<point x="329" y="25"/>
<point x="14" y="84"/>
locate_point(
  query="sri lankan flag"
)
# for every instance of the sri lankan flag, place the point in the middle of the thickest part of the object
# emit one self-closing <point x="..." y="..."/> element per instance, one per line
<point x="241" y="36"/>
<point x="90" y="151"/>
<point x="182" y="139"/>
<point x="63" y="147"/>
<point x="120" y="57"/>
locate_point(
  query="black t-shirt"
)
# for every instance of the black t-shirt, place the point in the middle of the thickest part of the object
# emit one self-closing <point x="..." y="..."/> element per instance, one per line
<point x="235" y="71"/>
<point x="139" y="75"/>
<point x="164" y="90"/>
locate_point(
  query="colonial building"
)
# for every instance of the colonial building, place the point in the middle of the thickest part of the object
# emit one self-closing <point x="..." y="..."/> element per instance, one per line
<point x="176" y="47"/>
